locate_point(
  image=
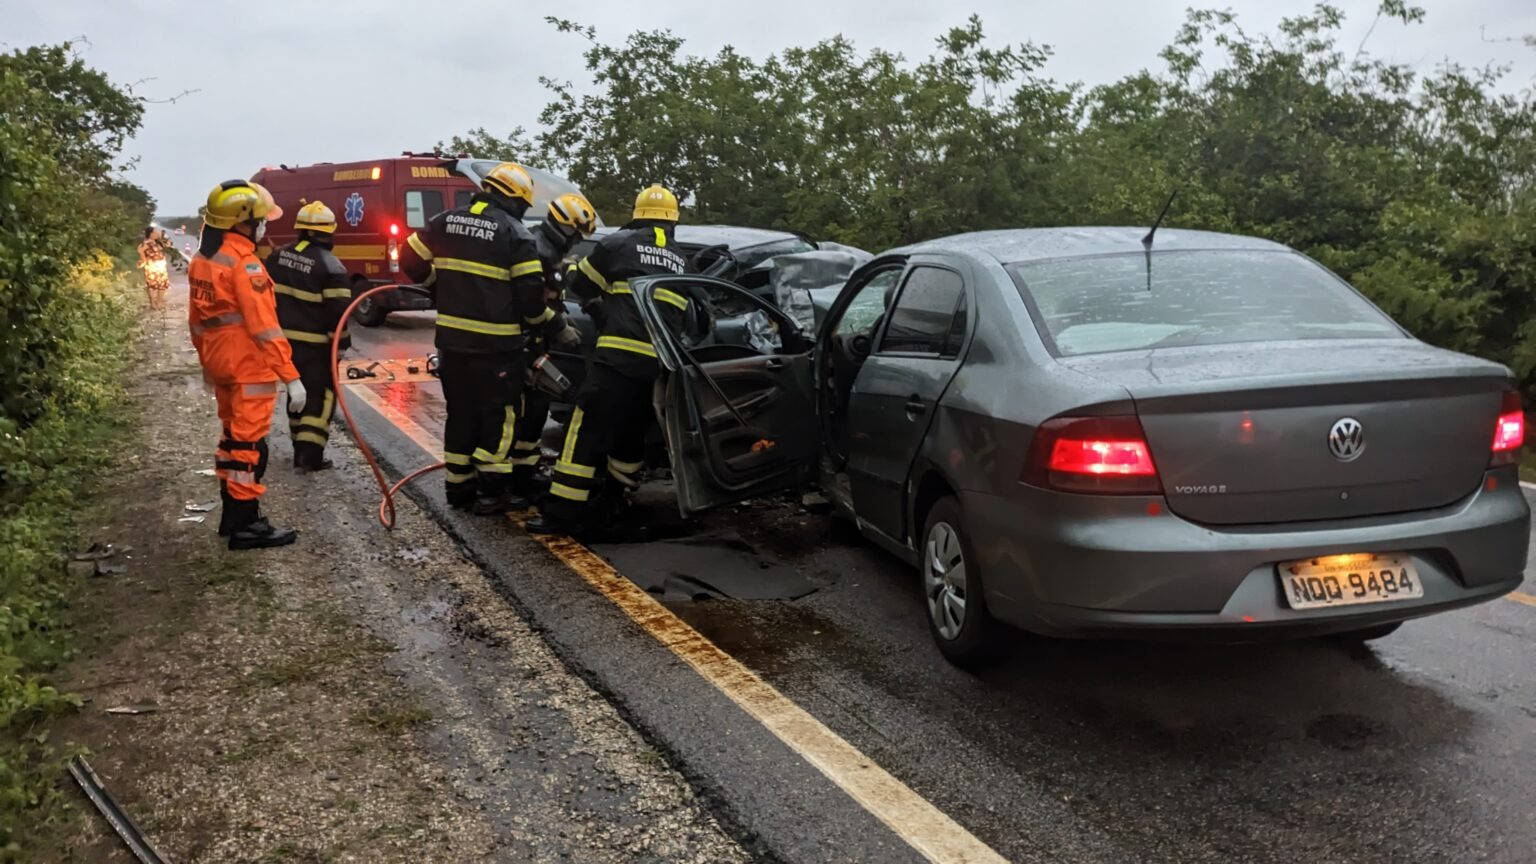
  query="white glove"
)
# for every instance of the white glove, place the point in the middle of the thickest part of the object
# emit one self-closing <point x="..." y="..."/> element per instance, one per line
<point x="568" y="339"/>
<point x="297" y="398"/>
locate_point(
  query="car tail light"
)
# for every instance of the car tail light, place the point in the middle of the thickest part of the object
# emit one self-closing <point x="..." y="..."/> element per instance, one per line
<point x="1103" y="455"/>
<point x="394" y="229"/>
<point x="394" y="255"/>
<point x="1509" y="431"/>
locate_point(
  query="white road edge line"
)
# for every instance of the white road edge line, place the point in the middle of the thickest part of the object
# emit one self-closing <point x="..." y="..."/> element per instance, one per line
<point x="1527" y="485"/>
<point x="919" y="824"/>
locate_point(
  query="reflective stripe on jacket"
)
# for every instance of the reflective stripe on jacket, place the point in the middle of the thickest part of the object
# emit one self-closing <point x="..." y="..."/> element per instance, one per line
<point x="312" y="293"/>
<point x="642" y="249"/>
<point x="483" y="266"/>
<point x="232" y="315"/>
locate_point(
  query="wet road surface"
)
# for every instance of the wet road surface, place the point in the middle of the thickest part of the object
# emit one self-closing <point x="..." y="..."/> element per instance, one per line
<point x="1419" y="747"/>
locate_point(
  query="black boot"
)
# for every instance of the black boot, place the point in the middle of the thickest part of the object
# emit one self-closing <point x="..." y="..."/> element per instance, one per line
<point x="549" y="523"/>
<point x="261" y="535"/>
<point x="227" y="508"/>
<point x="311" y="467"/>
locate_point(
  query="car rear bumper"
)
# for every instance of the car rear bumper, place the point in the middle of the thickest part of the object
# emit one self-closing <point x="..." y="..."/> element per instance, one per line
<point x="1079" y="565"/>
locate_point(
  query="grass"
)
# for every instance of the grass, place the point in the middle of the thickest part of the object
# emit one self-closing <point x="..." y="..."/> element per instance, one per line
<point x="392" y="721"/>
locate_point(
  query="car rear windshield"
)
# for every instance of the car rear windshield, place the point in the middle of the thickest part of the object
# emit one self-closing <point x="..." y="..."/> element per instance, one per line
<point x="754" y="255"/>
<point x="1104" y="303"/>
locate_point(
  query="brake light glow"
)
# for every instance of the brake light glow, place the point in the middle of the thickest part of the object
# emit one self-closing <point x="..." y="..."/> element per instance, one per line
<point x="394" y="229"/>
<point x="375" y="172"/>
<point x="1509" y="431"/>
<point x="1095" y="456"/>
<point x="1105" y="455"/>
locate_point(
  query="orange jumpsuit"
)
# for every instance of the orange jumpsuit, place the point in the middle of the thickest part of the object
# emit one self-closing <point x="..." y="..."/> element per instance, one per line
<point x="233" y="316"/>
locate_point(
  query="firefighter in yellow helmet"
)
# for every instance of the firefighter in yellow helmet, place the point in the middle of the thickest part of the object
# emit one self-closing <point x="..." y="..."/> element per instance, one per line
<point x="569" y="220"/>
<point x="233" y="318"/>
<point x="483" y="267"/>
<point x="313" y="290"/>
<point x="605" y="438"/>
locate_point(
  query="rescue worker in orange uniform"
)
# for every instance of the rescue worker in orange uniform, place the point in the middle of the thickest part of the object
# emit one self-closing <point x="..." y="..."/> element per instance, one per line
<point x="570" y="219"/>
<point x="312" y="291"/>
<point x="232" y="314"/>
<point x="605" y="438"/>
<point x="483" y="268"/>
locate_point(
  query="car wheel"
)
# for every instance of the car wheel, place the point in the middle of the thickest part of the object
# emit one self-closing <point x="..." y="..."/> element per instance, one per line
<point x="1367" y="634"/>
<point x="958" y="618"/>
<point x="369" y="314"/>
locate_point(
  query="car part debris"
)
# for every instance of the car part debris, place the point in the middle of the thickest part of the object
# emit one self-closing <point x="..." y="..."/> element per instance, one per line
<point x="205" y="472"/>
<point x="96" y="552"/>
<point x="134" y="710"/>
<point x="191" y="518"/>
<point x="93" y="788"/>
<point x="355" y="373"/>
<point x="434" y="363"/>
<point x="110" y="569"/>
<point x="205" y="507"/>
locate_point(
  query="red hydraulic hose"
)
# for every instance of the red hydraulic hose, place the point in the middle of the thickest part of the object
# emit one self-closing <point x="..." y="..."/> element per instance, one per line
<point x="387" y="502"/>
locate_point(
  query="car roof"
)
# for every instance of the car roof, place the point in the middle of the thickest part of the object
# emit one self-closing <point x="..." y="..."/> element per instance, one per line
<point x="732" y="236"/>
<point x="1019" y="245"/>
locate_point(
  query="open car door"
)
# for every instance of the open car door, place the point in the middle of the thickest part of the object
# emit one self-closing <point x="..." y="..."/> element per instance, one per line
<point x="738" y="418"/>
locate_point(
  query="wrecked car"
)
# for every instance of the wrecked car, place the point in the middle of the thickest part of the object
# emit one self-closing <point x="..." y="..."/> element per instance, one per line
<point x="1074" y="433"/>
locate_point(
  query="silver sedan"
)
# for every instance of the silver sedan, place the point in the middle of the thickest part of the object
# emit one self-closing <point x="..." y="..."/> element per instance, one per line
<point x="1074" y="433"/>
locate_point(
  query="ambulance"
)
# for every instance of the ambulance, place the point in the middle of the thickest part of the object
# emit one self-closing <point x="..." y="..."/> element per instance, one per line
<point x="378" y="203"/>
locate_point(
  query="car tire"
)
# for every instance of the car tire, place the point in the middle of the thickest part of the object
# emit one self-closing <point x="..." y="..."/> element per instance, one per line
<point x="368" y="313"/>
<point x="958" y="619"/>
<point x="1367" y="634"/>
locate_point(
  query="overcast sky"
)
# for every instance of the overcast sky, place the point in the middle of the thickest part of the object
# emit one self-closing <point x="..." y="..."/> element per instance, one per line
<point x="338" y="80"/>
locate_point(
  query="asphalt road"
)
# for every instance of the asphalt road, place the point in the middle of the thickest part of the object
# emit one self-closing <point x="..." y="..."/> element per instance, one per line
<point x="1418" y="748"/>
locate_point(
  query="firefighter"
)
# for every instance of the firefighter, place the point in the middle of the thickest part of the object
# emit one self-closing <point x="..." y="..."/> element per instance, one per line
<point x="605" y="438"/>
<point x="232" y="314"/>
<point x="570" y="219"/>
<point x="312" y="291"/>
<point x="157" y="280"/>
<point x="482" y="264"/>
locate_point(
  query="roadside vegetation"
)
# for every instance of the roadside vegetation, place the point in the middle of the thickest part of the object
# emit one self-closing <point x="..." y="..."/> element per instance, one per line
<point x="67" y="229"/>
<point x="1415" y="186"/>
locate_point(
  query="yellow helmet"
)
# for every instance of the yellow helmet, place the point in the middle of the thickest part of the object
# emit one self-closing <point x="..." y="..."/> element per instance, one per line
<point x="236" y="201"/>
<point x="656" y="202"/>
<point x="574" y="212"/>
<point x="511" y="180"/>
<point x="315" y="216"/>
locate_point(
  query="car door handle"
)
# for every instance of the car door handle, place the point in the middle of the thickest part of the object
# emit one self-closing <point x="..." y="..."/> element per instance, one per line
<point x="916" y="408"/>
<point x="774" y="363"/>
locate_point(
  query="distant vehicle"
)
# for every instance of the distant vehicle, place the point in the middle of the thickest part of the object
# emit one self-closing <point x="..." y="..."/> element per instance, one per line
<point x="378" y="203"/>
<point x="181" y="229"/>
<point x="1071" y="434"/>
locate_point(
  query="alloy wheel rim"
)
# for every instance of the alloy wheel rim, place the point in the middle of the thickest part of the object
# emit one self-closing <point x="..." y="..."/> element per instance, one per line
<point x="944" y="579"/>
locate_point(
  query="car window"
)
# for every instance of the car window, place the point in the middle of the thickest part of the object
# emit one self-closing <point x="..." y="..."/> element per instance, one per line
<point x="1128" y="302"/>
<point x="463" y="197"/>
<point x="924" y="313"/>
<point x="421" y="205"/>
<point x="865" y="308"/>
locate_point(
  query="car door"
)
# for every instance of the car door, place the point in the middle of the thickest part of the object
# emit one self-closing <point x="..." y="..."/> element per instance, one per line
<point x="739" y="418"/>
<point x="896" y="393"/>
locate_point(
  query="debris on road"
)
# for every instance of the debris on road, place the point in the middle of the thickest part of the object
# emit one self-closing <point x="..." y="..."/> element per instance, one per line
<point x="134" y="710"/>
<point x="93" y="788"/>
<point x="205" y="507"/>
<point x="205" y="472"/>
<point x="192" y="519"/>
<point x="96" y="552"/>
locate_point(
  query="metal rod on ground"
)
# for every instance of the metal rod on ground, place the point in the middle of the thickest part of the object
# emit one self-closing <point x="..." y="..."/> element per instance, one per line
<point x="91" y="785"/>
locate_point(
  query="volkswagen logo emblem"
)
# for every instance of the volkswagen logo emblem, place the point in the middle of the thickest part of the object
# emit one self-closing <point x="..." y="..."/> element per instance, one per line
<point x="1346" y="440"/>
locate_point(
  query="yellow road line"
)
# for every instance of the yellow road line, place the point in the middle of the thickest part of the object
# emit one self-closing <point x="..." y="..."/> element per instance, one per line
<point x="1521" y="597"/>
<point x="910" y="816"/>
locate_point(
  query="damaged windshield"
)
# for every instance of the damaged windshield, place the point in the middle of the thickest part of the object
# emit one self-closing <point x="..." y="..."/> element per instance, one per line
<point x="1102" y="303"/>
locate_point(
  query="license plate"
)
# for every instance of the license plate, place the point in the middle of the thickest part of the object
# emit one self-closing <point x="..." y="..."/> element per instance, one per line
<point x="1346" y="580"/>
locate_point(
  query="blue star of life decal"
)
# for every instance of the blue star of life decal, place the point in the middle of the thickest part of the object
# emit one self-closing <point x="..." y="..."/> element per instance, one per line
<point x="353" y="209"/>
